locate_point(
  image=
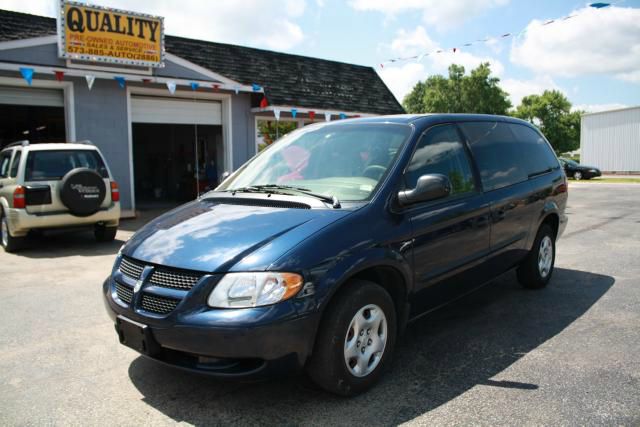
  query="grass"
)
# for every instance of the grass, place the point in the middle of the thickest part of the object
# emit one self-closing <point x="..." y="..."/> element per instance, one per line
<point x="613" y="180"/>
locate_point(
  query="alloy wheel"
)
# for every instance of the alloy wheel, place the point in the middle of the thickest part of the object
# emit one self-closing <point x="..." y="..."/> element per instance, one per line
<point x="545" y="256"/>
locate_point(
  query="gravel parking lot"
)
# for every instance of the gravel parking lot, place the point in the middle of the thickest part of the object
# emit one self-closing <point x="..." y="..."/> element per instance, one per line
<point x="569" y="354"/>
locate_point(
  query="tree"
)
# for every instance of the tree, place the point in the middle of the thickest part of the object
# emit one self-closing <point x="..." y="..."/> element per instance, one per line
<point x="551" y="113"/>
<point x="272" y="130"/>
<point x="477" y="92"/>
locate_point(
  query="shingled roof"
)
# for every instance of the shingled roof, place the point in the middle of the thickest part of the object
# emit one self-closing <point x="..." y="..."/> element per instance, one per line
<point x="287" y="79"/>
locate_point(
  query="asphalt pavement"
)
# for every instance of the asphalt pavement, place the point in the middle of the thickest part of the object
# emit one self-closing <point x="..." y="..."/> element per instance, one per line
<point x="565" y="355"/>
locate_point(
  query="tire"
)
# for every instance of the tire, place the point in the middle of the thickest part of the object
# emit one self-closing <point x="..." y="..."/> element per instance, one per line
<point x="535" y="273"/>
<point x="82" y="191"/>
<point x="577" y="175"/>
<point x="8" y="242"/>
<point x="105" y="234"/>
<point x="327" y="366"/>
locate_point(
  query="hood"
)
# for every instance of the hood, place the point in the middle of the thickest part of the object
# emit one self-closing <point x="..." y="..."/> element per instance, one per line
<point x="211" y="236"/>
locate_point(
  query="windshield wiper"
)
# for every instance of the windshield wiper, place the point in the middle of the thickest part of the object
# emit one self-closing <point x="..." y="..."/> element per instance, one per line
<point x="332" y="200"/>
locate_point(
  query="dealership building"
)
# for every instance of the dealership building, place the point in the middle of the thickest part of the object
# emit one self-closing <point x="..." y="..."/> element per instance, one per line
<point x="158" y="122"/>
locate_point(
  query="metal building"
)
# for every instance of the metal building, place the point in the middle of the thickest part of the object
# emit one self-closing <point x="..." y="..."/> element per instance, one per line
<point x="610" y="140"/>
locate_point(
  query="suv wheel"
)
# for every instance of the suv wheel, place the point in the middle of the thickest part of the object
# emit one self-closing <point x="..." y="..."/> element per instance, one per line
<point x="105" y="234"/>
<point x="537" y="268"/>
<point x="9" y="243"/>
<point x="355" y="341"/>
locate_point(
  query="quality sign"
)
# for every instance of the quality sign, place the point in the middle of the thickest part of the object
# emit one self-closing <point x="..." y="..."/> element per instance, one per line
<point x="99" y="34"/>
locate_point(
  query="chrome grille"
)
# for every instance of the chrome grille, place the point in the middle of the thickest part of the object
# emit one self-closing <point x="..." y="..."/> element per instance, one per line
<point x="174" y="279"/>
<point x="157" y="304"/>
<point x="125" y="293"/>
<point x="131" y="268"/>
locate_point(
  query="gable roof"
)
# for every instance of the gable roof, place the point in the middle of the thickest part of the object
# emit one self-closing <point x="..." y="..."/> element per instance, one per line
<point x="291" y="80"/>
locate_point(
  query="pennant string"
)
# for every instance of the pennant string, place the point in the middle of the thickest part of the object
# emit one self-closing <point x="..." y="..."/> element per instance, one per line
<point x="490" y="40"/>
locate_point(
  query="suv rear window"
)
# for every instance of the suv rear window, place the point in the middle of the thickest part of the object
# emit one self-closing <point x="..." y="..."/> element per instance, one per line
<point x="54" y="164"/>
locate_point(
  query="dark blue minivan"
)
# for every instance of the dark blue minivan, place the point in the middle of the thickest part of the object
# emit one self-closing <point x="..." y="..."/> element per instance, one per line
<point x="317" y="252"/>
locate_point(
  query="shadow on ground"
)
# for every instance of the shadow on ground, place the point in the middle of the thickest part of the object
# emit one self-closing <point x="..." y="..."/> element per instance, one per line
<point x="62" y="243"/>
<point x="440" y="357"/>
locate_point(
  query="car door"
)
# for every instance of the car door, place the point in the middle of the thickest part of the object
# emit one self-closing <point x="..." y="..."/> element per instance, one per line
<point x="450" y="235"/>
<point x="504" y="174"/>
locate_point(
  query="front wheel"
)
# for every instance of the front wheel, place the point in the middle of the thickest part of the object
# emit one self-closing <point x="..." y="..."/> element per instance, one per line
<point x="535" y="271"/>
<point x="9" y="243"/>
<point x="577" y="175"/>
<point x="355" y="341"/>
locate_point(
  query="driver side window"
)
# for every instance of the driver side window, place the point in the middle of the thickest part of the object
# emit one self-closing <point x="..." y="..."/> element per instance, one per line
<point x="441" y="151"/>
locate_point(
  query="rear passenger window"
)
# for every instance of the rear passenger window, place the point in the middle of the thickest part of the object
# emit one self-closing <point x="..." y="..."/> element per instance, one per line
<point x="539" y="156"/>
<point x="499" y="156"/>
<point x="441" y="151"/>
<point x="14" y="166"/>
<point x="5" y="158"/>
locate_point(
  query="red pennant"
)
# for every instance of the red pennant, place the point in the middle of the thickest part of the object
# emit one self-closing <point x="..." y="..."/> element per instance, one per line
<point x="216" y="87"/>
<point x="59" y="75"/>
<point x="145" y="81"/>
<point x="454" y="49"/>
<point x="264" y="103"/>
<point x="381" y="65"/>
<point x="312" y="115"/>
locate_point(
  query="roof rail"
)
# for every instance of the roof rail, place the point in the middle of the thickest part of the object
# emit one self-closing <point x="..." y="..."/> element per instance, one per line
<point x="23" y="143"/>
<point x="84" y="141"/>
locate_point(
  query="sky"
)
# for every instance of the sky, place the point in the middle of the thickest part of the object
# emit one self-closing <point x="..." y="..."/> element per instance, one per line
<point x="593" y="58"/>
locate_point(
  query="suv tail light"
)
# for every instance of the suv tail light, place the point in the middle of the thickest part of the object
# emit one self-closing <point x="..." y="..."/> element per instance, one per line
<point x="19" y="201"/>
<point x="115" y="192"/>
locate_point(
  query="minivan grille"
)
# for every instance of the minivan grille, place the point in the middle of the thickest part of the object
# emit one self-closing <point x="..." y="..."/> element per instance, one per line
<point x="158" y="304"/>
<point x="124" y="292"/>
<point x="131" y="268"/>
<point x="174" y="279"/>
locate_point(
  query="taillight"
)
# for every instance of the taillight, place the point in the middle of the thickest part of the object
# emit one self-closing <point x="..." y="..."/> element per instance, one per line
<point x="115" y="192"/>
<point x="19" y="201"/>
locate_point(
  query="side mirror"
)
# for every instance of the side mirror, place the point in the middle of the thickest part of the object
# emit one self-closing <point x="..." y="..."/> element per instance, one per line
<point x="225" y="175"/>
<point x="429" y="187"/>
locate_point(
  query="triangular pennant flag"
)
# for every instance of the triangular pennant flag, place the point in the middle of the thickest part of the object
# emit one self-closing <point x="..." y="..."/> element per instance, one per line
<point x="264" y="103"/>
<point x="194" y="86"/>
<point x="215" y="87"/>
<point x="59" y="75"/>
<point x="90" y="79"/>
<point x="120" y="80"/>
<point x="455" y="49"/>
<point x="343" y="116"/>
<point x="294" y="112"/>
<point x="599" y="5"/>
<point x="27" y="74"/>
<point x="256" y="87"/>
<point x="327" y="117"/>
<point x="145" y="81"/>
<point x="312" y="115"/>
<point x="172" y="87"/>
<point x="236" y="89"/>
<point x="276" y="112"/>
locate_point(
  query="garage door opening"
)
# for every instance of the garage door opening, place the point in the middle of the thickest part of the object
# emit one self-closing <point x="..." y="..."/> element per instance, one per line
<point x="164" y="156"/>
<point x="33" y="114"/>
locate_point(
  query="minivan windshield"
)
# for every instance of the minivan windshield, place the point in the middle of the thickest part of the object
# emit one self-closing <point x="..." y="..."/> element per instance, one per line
<point x="345" y="161"/>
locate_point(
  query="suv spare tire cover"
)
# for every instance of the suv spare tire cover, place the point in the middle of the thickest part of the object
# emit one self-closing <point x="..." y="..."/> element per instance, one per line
<point x="82" y="190"/>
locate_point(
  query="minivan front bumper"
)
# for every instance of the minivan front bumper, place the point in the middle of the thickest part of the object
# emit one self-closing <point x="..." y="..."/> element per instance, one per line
<point x="251" y="343"/>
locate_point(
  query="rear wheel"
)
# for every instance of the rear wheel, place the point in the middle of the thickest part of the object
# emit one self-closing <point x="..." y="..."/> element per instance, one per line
<point x="105" y="234"/>
<point x="577" y="175"/>
<point x="355" y="341"/>
<point x="537" y="268"/>
<point x="9" y="243"/>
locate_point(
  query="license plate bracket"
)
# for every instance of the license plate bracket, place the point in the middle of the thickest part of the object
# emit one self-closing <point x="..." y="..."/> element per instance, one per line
<point x="136" y="336"/>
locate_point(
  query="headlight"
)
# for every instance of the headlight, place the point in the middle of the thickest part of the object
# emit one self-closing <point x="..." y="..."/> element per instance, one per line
<point x="241" y="290"/>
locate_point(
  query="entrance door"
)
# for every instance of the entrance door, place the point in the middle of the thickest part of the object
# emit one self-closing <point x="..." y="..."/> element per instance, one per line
<point x="177" y="149"/>
<point x="31" y="113"/>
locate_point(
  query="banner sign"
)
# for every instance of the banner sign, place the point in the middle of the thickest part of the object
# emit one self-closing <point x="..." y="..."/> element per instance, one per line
<point x="100" y="34"/>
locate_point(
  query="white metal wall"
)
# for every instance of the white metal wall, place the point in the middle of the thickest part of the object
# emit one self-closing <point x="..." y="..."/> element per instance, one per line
<point x="610" y="140"/>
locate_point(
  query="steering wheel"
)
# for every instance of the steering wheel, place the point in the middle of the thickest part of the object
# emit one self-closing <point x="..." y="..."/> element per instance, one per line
<point x="374" y="172"/>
